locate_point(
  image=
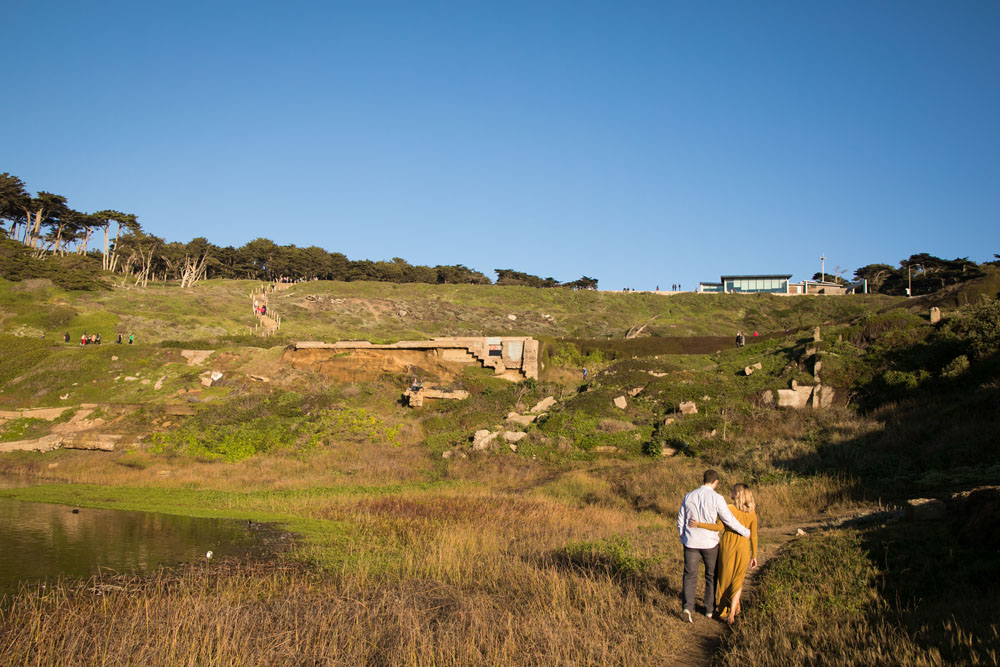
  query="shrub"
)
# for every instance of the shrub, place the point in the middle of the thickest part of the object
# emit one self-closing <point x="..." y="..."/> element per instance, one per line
<point x="977" y="330"/>
<point x="956" y="367"/>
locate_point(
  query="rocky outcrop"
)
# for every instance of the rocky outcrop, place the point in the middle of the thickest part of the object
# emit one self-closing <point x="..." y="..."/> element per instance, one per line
<point x="688" y="408"/>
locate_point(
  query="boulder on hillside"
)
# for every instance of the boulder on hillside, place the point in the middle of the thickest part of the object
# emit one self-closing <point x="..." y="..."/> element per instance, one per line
<point x="689" y="408"/>
<point x="483" y="439"/>
<point x="543" y="405"/>
<point x="925" y="509"/>
<point x="620" y="402"/>
<point x="521" y="420"/>
<point x="514" y="436"/>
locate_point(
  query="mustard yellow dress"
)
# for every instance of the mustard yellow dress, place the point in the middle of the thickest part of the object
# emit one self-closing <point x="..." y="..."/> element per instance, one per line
<point x="735" y="552"/>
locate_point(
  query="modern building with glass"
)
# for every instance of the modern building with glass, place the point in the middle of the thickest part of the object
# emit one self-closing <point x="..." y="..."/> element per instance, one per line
<point x="769" y="284"/>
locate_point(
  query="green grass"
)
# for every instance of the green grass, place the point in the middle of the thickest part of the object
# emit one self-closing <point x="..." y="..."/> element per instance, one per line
<point x="906" y="595"/>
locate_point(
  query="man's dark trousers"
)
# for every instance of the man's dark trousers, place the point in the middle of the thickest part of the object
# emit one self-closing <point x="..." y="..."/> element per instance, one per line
<point x="692" y="557"/>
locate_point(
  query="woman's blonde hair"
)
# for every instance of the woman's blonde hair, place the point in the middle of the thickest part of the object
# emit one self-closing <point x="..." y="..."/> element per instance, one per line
<point x="743" y="498"/>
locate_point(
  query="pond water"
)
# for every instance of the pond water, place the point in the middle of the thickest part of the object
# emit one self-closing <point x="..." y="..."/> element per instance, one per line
<point x="39" y="540"/>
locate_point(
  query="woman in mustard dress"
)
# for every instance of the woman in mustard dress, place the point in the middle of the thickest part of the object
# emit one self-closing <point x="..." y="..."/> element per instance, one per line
<point x="735" y="553"/>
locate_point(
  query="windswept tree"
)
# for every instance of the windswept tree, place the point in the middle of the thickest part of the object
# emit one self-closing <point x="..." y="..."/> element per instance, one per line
<point x="124" y="221"/>
<point x="14" y="202"/>
<point x="876" y="275"/>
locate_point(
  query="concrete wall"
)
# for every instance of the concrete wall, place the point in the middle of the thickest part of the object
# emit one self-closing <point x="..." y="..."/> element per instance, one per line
<point x="513" y="358"/>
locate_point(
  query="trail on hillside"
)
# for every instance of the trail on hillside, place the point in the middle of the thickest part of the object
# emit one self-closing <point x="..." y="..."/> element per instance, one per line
<point x="268" y="322"/>
<point x="707" y="634"/>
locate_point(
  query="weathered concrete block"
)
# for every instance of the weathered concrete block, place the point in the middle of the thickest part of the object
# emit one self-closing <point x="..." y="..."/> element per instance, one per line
<point x="935" y="315"/>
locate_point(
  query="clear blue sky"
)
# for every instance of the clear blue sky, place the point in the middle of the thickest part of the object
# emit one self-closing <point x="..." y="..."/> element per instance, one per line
<point x="643" y="144"/>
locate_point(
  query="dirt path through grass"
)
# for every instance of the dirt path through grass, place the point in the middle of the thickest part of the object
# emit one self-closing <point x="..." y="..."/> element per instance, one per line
<point x="707" y="634"/>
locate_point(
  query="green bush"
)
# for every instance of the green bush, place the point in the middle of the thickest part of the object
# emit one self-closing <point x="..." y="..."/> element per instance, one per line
<point x="956" y="367"/>
<point x="611" y="556"/>
<point x="977" y="329"/>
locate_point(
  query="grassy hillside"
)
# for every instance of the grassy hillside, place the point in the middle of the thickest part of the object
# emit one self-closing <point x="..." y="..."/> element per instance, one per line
<point x="385" y="311"/>
<point x="558" y="550"/>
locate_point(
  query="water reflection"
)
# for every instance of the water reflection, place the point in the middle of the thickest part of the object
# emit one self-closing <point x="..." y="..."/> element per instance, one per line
<point x="39" y="540"/>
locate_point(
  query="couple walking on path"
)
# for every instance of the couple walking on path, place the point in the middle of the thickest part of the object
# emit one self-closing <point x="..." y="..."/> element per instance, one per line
<point x="703" y="516"/>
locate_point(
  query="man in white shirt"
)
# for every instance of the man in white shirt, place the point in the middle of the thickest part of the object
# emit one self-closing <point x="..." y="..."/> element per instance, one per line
<point x="706" y="506"/>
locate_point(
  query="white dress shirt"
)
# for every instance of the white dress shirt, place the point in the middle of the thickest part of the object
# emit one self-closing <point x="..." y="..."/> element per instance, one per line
<point x="706" y="506"/>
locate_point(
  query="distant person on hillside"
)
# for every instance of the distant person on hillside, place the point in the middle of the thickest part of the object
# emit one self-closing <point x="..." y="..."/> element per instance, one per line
<point x="66" y="337"/>
<point x="736" y="553"/>
<point x="741" y="339"/>
<point x="131" y="338"/>
<point x="83" y="338"/>
<point x="703" y="505"/>
<point x="97" y="338"/>
<point x="755" y="334"/>
<point x="119" y="340"/>
<point x="584" y="374"/>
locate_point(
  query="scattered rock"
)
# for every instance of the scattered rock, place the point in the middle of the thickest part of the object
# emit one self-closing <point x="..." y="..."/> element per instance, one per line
<point x="513" y="447"/>
<point x="635" y="391"/>
<point x="605" y="449"/>
<point x="688" y="408"/>
<point x="816" y="336"/>
<point x="483" y="439"/>
<point x="514" y="436"/>
<point x="63" y="397"/>
<point x="53" y="465"/>
<point x="748" y="370"/>
<point x="259" y="378"/>
<point x="935" y="314"/>
<point x="620" y="403"/>
<point x="522" y="420"/>
<point x="401" y="313"/>
<point x="706" y="397"/>
<point x="446" y="455"/>
<point x="144" y="381"/>
<point x="925" y="509"/>
<point x="658" y="375"/>
<point x="669" y="420"/>
<point x="800" y="532"/>
<point x="208" y="378"/>
<point x="159" y="383"/>
<point x="668" y="451"/>
<point x="543" y="405"/>
<point x="130" y="378"/>
<point x="512" y="317"/>
<point x="114" y="357"/>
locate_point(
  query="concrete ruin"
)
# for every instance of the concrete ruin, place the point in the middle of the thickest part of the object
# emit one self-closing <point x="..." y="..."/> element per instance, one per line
<point x="416" y="397"/>
<point x="513" y="358"/>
